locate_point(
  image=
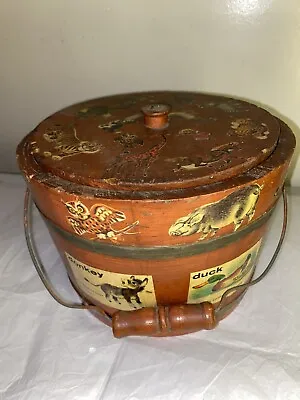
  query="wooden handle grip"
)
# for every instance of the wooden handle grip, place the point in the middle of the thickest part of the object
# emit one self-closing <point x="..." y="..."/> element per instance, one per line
<point x="164" y="320"/>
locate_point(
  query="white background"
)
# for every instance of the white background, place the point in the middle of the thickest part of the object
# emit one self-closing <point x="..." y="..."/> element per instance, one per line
<point x="55" y="53"/>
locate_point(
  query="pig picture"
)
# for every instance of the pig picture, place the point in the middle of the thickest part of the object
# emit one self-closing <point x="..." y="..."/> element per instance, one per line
<point x="208" y="219"/>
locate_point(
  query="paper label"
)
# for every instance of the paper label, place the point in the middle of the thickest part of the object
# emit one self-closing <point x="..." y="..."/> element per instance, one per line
<point x="120" y="291"/>
<point x="210" y="284"/>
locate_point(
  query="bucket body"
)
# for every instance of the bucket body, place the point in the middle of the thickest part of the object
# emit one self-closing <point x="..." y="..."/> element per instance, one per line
<point x="130" y="249"/>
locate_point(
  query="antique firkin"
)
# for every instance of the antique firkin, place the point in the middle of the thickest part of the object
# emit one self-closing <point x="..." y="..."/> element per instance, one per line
<point x="158" y="202"/>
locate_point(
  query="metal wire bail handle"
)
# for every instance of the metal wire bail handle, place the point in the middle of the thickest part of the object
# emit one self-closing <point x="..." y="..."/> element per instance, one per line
<point x="40" y="269"/>
<point x="271" y="262"/>
<point x="28" y="202"/>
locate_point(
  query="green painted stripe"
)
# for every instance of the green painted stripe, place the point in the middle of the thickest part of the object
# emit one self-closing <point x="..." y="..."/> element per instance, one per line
<point x="159" y="252"/>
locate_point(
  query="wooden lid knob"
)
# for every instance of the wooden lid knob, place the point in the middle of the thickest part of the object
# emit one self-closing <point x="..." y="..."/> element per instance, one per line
<point x="156" y="116"/>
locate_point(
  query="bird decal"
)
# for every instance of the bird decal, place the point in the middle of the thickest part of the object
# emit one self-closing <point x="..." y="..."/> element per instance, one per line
<point x="97" y="220"/>
<point x="67" y="143"/>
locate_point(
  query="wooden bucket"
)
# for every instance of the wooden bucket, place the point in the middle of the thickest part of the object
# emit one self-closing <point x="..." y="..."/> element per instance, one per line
<point x="158" y="203"/>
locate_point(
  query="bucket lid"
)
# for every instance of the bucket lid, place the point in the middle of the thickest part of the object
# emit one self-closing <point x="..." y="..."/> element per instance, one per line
<point x="154" y="140"/>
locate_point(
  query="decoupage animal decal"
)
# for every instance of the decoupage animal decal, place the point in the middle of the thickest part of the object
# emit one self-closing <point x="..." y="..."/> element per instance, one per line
<point x="210" y="284"/>
<point x="135" y="164"/>
<point x="130" y="291"/>
<point x="244" y="126"/>
<point x="195" y="133"/>
<point x="219" y="153"/>
<point x="97" y="220"/>
<point x="208" y="219"/>
<point x="67" y="144"/>
<point x="236" y="276"/>
<point x="128" y="141"/>
<point x="121" y="291"/>
<point x="223" y="282"/>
